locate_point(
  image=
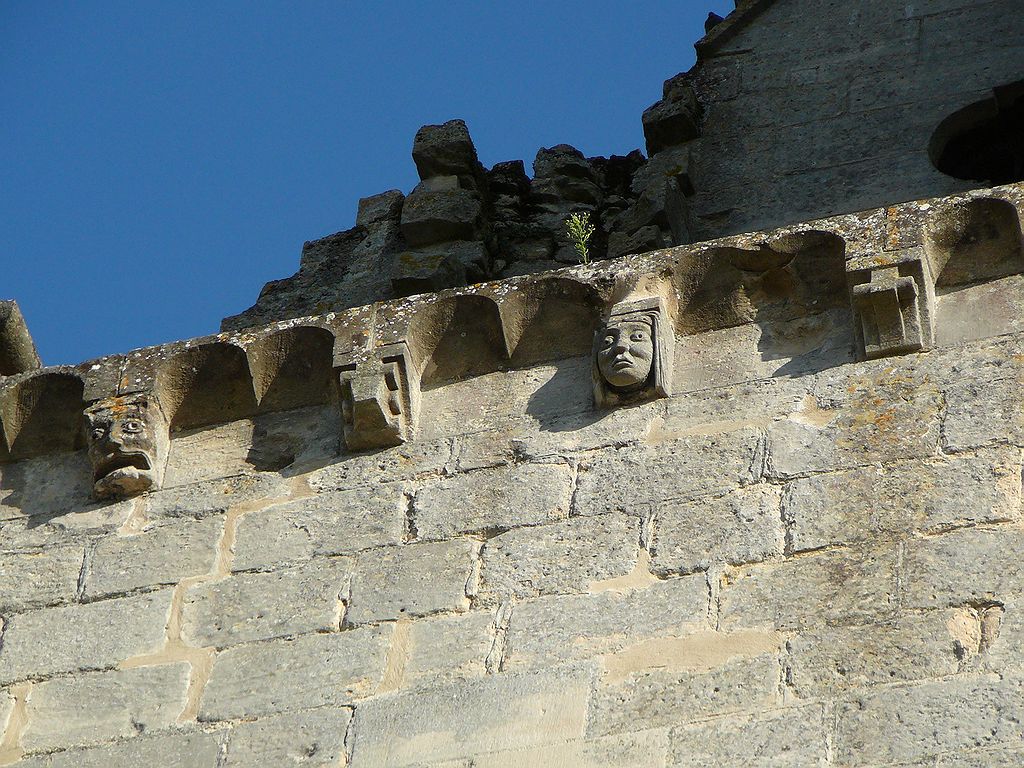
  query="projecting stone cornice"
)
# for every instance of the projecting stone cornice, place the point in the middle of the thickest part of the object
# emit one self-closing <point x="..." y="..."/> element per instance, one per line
<point x="887" y="272"/>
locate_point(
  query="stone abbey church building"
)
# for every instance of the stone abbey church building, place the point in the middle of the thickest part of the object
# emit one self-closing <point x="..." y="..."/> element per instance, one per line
<point x="744" y="490"/>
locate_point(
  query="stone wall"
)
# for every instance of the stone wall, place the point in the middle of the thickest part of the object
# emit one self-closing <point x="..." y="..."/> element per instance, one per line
<point x="787" y="555"/>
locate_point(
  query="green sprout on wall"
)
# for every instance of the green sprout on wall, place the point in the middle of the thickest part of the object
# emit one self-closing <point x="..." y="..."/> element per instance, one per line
<point x="580" y="230"/>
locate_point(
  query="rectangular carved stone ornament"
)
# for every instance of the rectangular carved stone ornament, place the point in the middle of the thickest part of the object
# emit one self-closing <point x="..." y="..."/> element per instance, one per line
<point x="380" y="395"/>
<point x="632" y="358"/>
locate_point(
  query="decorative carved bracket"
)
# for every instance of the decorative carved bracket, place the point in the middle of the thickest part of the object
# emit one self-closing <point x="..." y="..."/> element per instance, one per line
<point x="128" y="445"/>
<point x="632" y="360"/>
<point x="380" y="397"/>
<point x="893" y="305"/>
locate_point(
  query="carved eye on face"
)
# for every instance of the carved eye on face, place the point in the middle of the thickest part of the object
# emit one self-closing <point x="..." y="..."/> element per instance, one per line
<point x="638" y="336"/>
<point x="132" y="426"/>
<point x="98" y="433"/>
<point x="609" y="340"/>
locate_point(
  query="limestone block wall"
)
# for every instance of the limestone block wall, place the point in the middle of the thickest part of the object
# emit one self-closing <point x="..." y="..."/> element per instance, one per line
<point x="798" y="558"/>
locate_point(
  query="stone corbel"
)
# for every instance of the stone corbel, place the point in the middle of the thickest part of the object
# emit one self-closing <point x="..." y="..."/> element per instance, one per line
<point x="380" y="396"/>
<point x="633" y="353"/>
<point x="893" y="305"/>
<point x="128" y="442"/>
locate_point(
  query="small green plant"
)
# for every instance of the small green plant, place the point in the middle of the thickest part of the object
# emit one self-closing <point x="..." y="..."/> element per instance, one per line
<point x="580" y="230"/>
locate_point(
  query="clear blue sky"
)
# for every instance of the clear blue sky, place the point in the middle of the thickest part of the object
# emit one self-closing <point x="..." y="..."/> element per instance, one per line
<point x="161" y="161"/>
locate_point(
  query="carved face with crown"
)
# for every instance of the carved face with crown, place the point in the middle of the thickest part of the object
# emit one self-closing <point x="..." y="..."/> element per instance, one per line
<point x="626" y="353"/>
<point x="632" y="353"/>
<point x="128" y="440"/>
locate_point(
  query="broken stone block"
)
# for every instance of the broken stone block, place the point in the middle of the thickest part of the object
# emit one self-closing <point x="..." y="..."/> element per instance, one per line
<point x="643" y="240"/>
<point x="17" y="350"/>
<point x="430" y="217"/>
<point x="447" y="150"/>
<point x="892" y="305"/>
<point x="563" y="174"/>
<point x="436" y="267"/>
<point x="508" y="178"/>
<point x="387" y="206"/>
<point x="674" y="119"/>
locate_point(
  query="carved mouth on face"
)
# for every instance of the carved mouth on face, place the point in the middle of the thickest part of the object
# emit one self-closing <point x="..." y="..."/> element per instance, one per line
<point x="116" y="461"/>
<point x="621" y="363"/>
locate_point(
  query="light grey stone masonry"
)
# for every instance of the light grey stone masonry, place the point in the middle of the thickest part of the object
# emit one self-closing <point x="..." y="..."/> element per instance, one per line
<point x="411" y="580"/>
<point x="495" y="499"/>
<point x="288" y="675"/>
<point x="83" y="637"/>
<point x="330" y="523"/>
<point x="161" y="554"/>
<point x="472" y="717"/>
<point x="308" y="739"/>
<point x="100" y="706"/>
<point x="744" y="526"/>
<point x="193" y="749"/>
<point x="6" y="705"/>
<point x="44" y="577"/>
<point x="445" y="647"/>
<point x="261" y="606"/>
<point x="558" y="558"/>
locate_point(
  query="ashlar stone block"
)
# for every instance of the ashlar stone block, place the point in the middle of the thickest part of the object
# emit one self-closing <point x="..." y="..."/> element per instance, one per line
<point x="161" y="554"/>
<point x="489" y="500"/>
<point x="647" y="749"/>
<point x="558" y="558"/>
<point x="52" y="641"/>
<point x="330" y="523"/>
<point x="411" y="580"/>
<point x="472" y="717"/>
<point x="744" y="526"/>
<point x="328" y="670"/>
<point x="261" y="606"/>
<point x="37" y="578"/>
<point x="313" y="738"/>
<point x="449" y="647"/>
<point x="193" y="749"/>
<point x="92" y="708"/>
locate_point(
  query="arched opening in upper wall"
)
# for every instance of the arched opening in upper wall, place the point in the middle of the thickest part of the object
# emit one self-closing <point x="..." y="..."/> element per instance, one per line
<point x="984" y="141"/>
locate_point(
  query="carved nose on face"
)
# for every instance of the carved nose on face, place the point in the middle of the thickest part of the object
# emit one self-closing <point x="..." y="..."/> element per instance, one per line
<point x="622" y="345"/>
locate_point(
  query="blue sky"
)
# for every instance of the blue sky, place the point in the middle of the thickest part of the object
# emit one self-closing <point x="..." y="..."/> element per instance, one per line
<point x="161" y="161"/>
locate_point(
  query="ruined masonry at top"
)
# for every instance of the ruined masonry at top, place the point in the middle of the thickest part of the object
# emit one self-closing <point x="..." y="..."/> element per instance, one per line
<point x="745" y="490"/>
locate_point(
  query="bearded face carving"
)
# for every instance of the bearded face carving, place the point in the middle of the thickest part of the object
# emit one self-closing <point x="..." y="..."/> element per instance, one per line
<point x="128" y="441"/>
<point x="633" y="354"/>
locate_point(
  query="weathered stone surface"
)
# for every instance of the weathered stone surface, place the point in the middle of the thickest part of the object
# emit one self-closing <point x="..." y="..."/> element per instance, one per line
<point x="824" y="588"/>
<point x="36" y="578"/>
<point x="47" y="486"/>
<point x="193" y="749"/>
<point x="825" y="661"/>
<point x="17" y="350"/>
<point x="6" y="705"/>
<point x="385" y="206"/>
<point x="962" y="567"/>
<point x="56" y="640"/>
<point x="984" y="408"/>
<point x="672" y="120"/>
<point x="931" y="719"/>
<point x="659" y="697"/>
<point x="330" y="523"/>
<point x="558" y="558"/>
<point x="288" y="675"/>
<point x="92" y="708"/>
<point x="634" y="479"/>
<point x="784" y="738"/>
<point x="260" y="606"/>
<point x="471" y="717"/>
<point x="629" y="750"/>
<point x="441" y="216"/>
<point x="445" y="647"/>
<point x="314" y="738"/>
<point x="493" y="500"/>
<point x="550" y="630"/>
<point x="444" y="150"/>
<point x="897" y="499"/>
<point x="744" y="526"/>
<point x="159" y="555"/>
<point x="420" y="458"/>
<point x="411" y="580"/>
<point x="216" y="496"/>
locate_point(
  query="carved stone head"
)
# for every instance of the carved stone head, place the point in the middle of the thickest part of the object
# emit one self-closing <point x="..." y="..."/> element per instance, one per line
<point x="633" y="354"/>
<point x="128" y="441"/>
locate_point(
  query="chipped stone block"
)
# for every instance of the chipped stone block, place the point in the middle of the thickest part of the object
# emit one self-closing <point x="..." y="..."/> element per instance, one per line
<point x="783" y="738"/>
<point x="430" y="217"/>
<point x="37" y="578"/>
<point x="17" y="350"/>
<point x="446" y="647"/>
<point x="286" y="675"/>
<point x="634" y="479"/>
<point x="261" y="606"/>
<point x="52" y="641"/>
<point x="659" y="697"/>
<point x="894" y="725"/>
<point x="744" y="526"/>
<point x="549" y="630"/>
<point x="896" y="499"/>
<point x="411" y="580"/>
<point x="6" y="707"/>
<point x="472" y="717"/>
<point x="823" y="588"/>
<point x="386" y="206"/>
<point x="380" y="396"/>
<point x="312" y="738"/>
<point x="985" y="409"/>
<point x="647" y="749"/>
<point x="53" y="486"/>
<point x="499" y="499"/>
<point x="92" y="708"/>
<point x="669" y="122"/>
<point x="435" y="267"/>
<point x="444" y="150"/>
<point x="216" y="496"/>
<point x="330" y="523"/>
<point x="972" y="565"/>
<point x="825" y="661"/>
<point x="419" y="458"/>
<point x="558" y="558"/>
<point x="159" y="555"/>
<point x="193" y="749"/>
